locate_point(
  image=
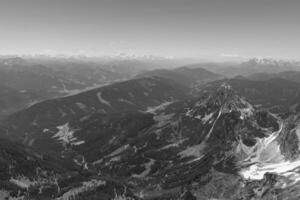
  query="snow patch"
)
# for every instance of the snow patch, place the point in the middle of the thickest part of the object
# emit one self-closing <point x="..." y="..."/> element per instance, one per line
<point x="6" y="195"/>
<point x="114" y="154"/>
<point x="206" y="118"/>
<point x="81" y="105"/>
<point x="80" y="161"/>
<point x="175" y="144"/>
<point x="126" y="101"/>
<point x="146" y="171"/>
<point x="115" y="159"/>
<point x="160" y="107"/>
<point x="192" y="151"/>
<point x="298" y="134"/>
<point x="85" y="186"/>
<point x="33" y="103"/>
<point x="226" y="86"/>
<point x="267" y="158"/>
<point x="45" y="130"/>
<point x="103" y="101"/>
<point x="119" y="150"/>
<point x="22" y="181"/>
<point x="163" y="119"/>
<point x="247" y="111"/>
<point x="287" y="169"/>
<point x="66" y="135"/>
<point x="112" y="140"/>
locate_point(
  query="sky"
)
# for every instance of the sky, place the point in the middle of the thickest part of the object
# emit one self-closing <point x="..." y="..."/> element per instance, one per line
<point x="176" y="28"/>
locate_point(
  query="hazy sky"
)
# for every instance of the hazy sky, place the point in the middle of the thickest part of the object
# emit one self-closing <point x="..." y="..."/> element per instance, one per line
<point x="205" y="28"/>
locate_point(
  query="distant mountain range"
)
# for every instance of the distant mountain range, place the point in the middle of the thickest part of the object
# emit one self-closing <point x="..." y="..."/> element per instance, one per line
<point x="249" y="67"/>
<point x="31" y="81"/>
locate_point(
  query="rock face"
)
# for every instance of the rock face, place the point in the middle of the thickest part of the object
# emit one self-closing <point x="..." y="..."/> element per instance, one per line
<point x="145" y="139"/>
<point x="277" y="95"/>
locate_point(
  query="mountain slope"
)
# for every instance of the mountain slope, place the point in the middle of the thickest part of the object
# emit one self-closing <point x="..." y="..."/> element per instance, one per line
<point x="287" y="75"/>
<point x="12" y="100"/>
<point x="148" y="139"/>
<point x="167" y="147"/>
<point x="195" y="142"/>
<point x="26" y="174"/>
<point x="183" y="75"/>
<point x="23" y="169"/>
<point x="54" y="78"/>
<point x="277" y="94"/>
<point x="46" y="125"/>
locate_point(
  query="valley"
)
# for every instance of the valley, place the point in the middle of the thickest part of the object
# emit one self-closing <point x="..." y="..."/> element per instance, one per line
<point x="154" y="136"/>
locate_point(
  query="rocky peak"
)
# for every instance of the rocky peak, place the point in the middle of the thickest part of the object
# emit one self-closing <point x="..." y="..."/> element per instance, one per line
<point x="226" y="99"/>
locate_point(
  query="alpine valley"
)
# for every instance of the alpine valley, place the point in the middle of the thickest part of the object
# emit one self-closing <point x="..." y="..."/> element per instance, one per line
<point x="120" y="130"/>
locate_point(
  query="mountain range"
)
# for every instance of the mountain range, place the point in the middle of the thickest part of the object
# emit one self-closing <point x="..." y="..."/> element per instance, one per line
<point x="183" y="133"/>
